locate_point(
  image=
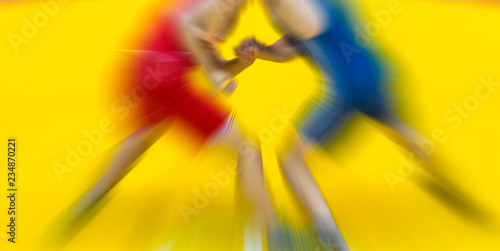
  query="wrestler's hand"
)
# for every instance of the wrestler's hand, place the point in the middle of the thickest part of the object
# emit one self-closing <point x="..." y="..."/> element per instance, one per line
<point x="223" y="81"/>
<point x="230" y="87"/>
<point x="249" y="49"/>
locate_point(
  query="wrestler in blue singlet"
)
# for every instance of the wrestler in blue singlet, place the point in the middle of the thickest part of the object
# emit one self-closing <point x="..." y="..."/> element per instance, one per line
<point x="352" y="75"/>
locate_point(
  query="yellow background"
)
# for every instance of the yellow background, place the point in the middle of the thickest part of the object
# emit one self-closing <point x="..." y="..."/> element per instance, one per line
<point x="57" y="85"/>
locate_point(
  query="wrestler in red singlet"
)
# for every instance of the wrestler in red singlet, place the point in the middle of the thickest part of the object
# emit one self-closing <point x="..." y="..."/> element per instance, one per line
<point x="165" y="52"/>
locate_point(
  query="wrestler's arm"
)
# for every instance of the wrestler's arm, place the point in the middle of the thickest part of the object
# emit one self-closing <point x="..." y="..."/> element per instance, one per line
<point x="281" y="51"/>
<point x="199" y="27"/>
